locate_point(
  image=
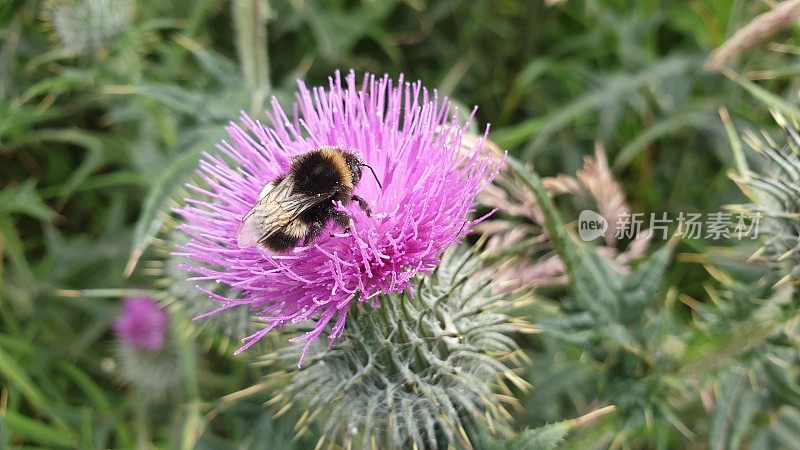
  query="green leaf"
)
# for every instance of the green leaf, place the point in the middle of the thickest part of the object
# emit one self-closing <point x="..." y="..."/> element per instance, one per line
<point x="204" y="107"/>
<point x="5" y="438"/>
<point x="770" y="99"/>
<point x="64" y="82"/>
<point x="618" y="86"/>
<point x="16" y="120"/>
<point x="546" y="437"/>
<point x="155" y="204"/>
<point x="734" y="412"/>
<point x="336" y="32"/>
<point x="786" y="430"/>
<point x="514" y="135"/>
<point x="16" y="376"/>
<point x="523" y="82"/>
<point x="667" y="127"/>
<point x="642" y="285"/>
<point x="39" y="432"/>
<point x="543" y="438"/>
<point x="553" y="222"/>
<point x="94" y="392"/>
<point x="216" y="65"/>
<point x="96" y="148"/>
<point x="23" y="199"/>
<point x="14" y="250"/>
<point x="712" y="351"/>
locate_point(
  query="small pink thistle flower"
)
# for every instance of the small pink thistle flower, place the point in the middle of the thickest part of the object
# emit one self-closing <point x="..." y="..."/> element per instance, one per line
<point x="142" y="324"/>
<point x="412" y="140"/>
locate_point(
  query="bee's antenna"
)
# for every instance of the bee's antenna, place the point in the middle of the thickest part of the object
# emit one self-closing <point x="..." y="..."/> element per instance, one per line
<point x="373" y="174"/>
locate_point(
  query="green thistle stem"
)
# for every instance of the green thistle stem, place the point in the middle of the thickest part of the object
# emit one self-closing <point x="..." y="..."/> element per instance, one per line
<point x="250" y="21"/>
<point x="141" y="423"/>
<point x="566" y="247"/>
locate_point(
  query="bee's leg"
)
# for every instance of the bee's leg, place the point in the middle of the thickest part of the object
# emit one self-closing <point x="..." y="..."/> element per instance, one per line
<point x="313" y="231"/>
<point x="342" y="219"/>
<point x="363" y="204"/>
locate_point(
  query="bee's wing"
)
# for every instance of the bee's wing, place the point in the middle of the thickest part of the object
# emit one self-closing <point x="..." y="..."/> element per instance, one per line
<point x="275" y="210"/>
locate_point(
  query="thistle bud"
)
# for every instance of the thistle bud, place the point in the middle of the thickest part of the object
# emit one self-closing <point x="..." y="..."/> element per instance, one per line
<point x="147" y="360"/>
<point x="418" y="372"/>
<point x="85" y="26"/>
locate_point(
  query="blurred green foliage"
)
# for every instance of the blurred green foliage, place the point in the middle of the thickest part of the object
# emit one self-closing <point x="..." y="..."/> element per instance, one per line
<point x="97" y="134"/>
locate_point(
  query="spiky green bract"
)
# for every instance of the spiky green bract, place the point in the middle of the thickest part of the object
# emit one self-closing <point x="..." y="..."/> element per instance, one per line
<point x="775" y="195"/>
<point x="189" y="298"/>
<point x="151" y="374"/>
<point x="745" y="348"/>
<point x="418" y="372"/>
<point x="546" y="437"/>
<point x="745" y="353"/>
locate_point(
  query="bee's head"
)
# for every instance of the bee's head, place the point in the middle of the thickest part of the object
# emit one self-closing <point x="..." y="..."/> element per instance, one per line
<point x="354" y="164"/>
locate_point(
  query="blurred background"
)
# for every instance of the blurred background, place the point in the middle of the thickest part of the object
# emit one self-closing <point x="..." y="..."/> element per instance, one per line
<point x="106" y="106"/>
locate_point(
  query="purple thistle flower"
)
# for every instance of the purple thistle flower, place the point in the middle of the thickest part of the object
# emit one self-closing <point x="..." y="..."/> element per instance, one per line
<point x="408" y="135"/>
<point x="142" y="324"/>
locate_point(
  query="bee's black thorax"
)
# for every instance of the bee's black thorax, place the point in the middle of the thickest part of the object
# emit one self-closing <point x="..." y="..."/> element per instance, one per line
<point x="321" y="172"/>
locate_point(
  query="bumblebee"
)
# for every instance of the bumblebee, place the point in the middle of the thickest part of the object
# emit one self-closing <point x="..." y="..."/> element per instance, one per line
<point x="297" y="206"/>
